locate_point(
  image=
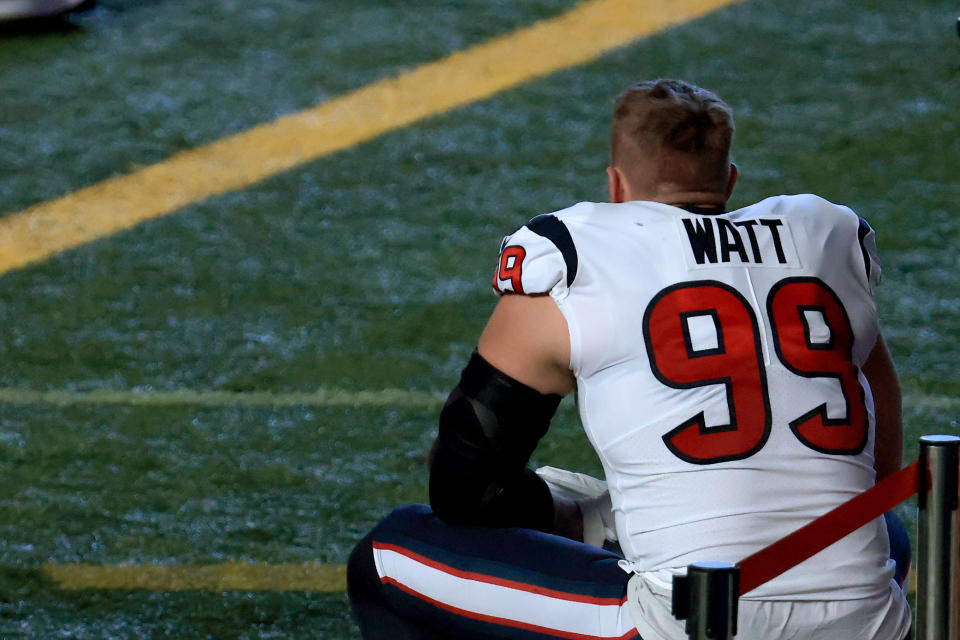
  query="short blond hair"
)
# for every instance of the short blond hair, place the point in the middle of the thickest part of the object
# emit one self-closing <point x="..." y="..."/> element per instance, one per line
<point x="685" y="129"/>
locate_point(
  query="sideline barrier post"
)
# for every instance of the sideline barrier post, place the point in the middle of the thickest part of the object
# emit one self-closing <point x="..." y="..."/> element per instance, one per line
<point x="707" y="599"/>
<point x="937" y="568"/>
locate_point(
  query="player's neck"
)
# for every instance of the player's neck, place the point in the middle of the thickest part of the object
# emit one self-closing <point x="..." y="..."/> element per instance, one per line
<point x="676" y="195"/>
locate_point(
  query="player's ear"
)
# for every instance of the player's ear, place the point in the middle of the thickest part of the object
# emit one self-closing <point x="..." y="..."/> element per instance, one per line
<point x="732" y="181"/>
<point x="615" y="185"/>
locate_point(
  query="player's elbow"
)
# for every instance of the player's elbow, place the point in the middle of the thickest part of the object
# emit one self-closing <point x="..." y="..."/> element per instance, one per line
<point x="520" y="500"/>
<point x="471" y="486"/>
<point x="454" y="499"/>
<point x="489" y="426"/>
<point x="461" y="464"/>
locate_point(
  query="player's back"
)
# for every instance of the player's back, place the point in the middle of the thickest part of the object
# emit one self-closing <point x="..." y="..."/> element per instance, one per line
<point x="717" y="361"/>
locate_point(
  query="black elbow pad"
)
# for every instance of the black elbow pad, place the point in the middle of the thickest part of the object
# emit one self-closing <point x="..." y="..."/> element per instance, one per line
<point x="489" y="427"/>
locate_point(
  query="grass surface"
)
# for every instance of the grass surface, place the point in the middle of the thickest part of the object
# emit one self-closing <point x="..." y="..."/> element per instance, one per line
<point x="370" y="269"/>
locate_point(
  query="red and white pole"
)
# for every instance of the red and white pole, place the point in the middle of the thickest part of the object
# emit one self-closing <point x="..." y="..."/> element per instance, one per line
<point x="938" y="540"/>
<point x="707" y="599"/>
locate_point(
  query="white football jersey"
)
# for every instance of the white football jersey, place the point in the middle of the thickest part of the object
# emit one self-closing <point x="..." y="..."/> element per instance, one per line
<point x="718" y="363"/>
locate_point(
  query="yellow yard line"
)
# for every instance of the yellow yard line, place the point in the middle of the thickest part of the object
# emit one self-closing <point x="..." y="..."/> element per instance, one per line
<point x="229" y="576"/>
<point x="576" y="37"/>
<point x="319" y="398"/>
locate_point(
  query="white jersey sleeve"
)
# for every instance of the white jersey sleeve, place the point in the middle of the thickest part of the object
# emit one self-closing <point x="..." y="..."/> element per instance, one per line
<point x="871" y="261"/>
<point x="539" y="257"/>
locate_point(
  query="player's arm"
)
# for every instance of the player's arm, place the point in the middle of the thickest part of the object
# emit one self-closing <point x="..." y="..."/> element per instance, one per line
<point x="495" y="417"/>
<point x="879" y="371"/>
<point x="527" y="338"/>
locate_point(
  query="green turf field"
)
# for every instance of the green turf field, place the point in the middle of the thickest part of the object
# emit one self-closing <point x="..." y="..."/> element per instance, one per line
<point x="364" y="275"/>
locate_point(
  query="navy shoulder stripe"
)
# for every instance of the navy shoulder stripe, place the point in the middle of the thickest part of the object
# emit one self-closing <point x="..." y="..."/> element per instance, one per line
<point x="550" y="227"/>
<point x="861" y="234"/>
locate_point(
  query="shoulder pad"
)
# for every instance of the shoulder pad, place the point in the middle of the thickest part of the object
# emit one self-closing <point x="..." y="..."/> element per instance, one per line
<point x="539" y="257"/>
<point x="866" y="237"/>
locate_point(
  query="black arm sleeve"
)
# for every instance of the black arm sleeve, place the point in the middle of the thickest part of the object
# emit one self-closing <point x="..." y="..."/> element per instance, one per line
<point x="489" y="426"/>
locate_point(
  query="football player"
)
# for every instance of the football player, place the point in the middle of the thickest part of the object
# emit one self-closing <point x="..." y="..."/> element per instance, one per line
<point x="729" y="373"/>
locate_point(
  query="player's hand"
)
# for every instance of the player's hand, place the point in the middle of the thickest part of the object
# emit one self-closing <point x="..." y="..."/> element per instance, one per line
<point x="591" y="497"/>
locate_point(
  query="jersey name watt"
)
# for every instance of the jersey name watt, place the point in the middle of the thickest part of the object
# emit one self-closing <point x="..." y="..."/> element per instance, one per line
<point x="713" y="240"/>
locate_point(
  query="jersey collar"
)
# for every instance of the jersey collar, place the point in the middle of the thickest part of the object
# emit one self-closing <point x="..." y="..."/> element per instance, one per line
<point x="703" y="211"/>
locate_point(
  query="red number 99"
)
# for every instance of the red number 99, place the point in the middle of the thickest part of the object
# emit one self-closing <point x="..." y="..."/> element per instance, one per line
<point x="813" y="338"/>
